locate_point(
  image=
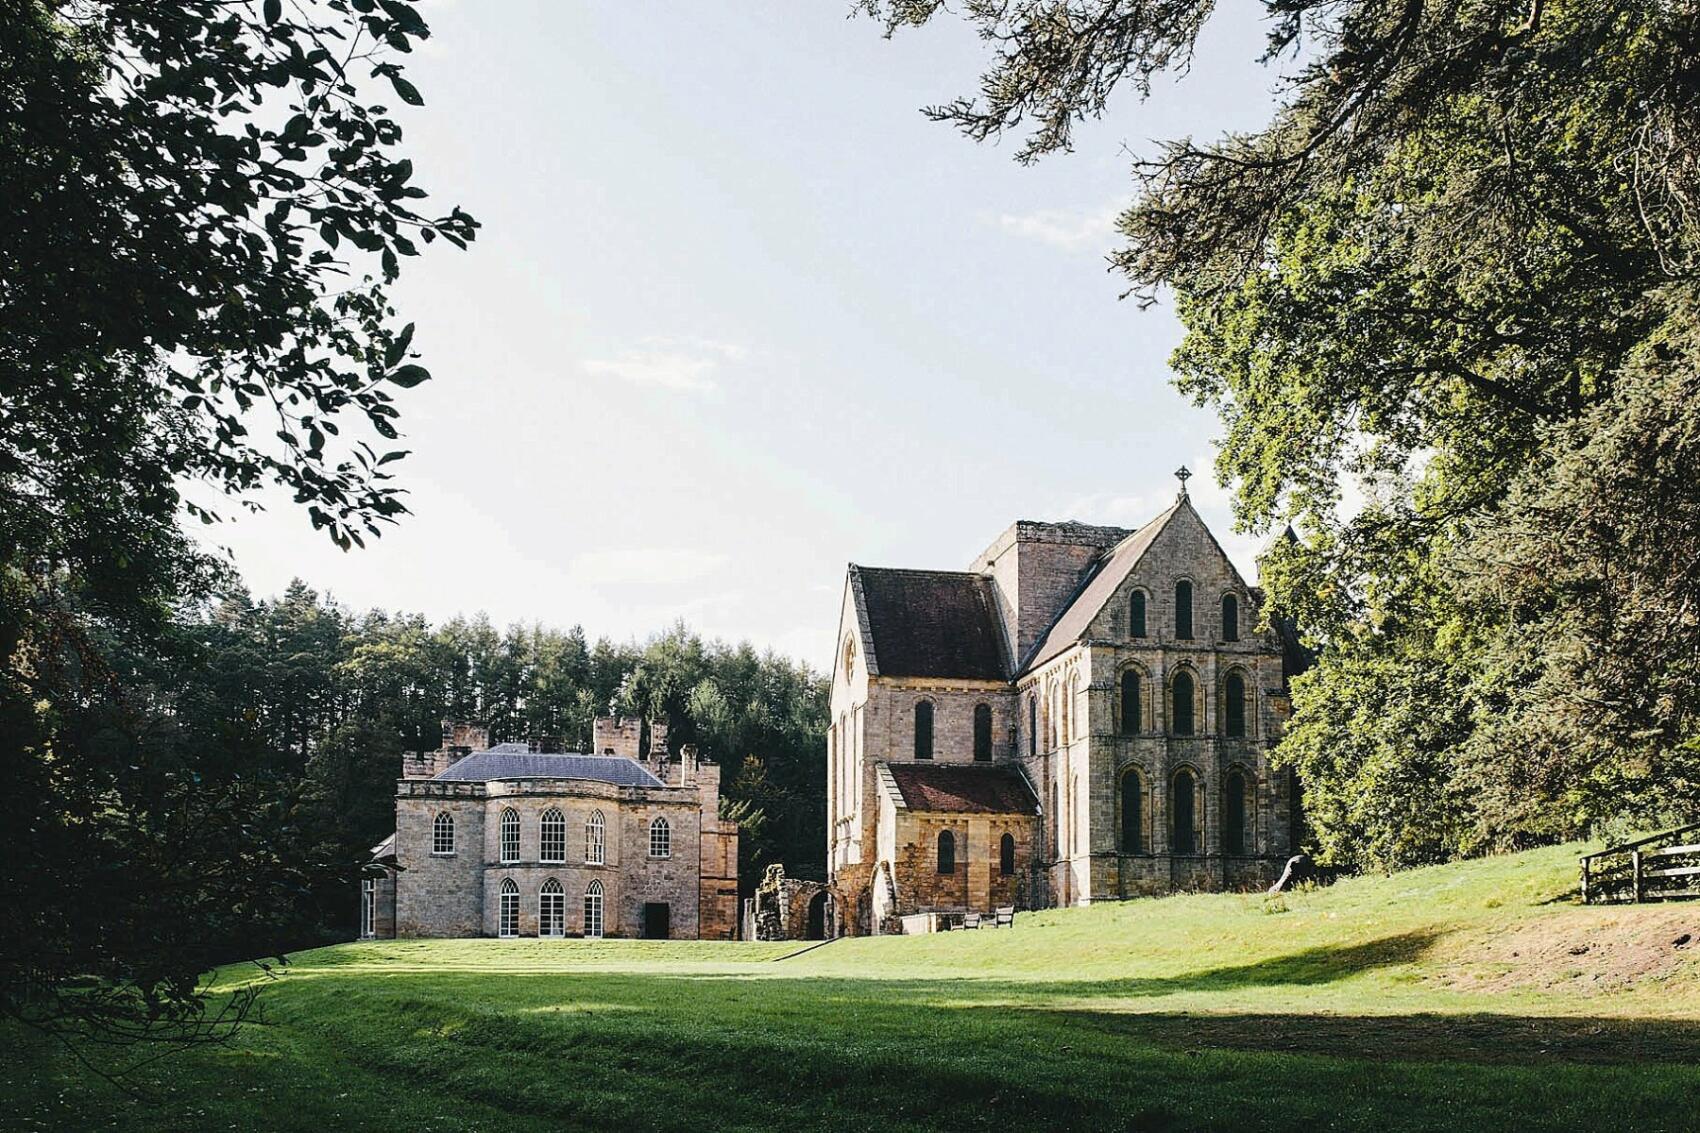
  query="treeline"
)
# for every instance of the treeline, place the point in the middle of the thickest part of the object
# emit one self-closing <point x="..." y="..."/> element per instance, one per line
<point x="304" y="693"/>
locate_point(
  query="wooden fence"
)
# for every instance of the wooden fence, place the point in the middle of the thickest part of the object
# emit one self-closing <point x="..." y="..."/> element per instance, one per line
<point x="1659" y="867"/>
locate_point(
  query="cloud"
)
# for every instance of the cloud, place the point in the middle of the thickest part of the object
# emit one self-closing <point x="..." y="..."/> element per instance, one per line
<point x="681" y="365"/>
<point x="1072" y="230"/>
<point x="643" y="566"/>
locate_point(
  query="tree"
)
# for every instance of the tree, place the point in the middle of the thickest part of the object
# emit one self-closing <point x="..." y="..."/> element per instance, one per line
<point x="201" y="205"/>
<point x="1442" y="257"/>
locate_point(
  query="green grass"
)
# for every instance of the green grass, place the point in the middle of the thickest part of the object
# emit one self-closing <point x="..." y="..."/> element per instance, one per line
<point x="1475" y="996"/>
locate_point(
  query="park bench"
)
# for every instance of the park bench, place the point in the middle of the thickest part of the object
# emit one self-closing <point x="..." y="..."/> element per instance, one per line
<point x="970" y="920"/>
<point x="1005" y="917"/>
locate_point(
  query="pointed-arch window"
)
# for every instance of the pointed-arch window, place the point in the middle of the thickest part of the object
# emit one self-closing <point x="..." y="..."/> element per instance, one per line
<point x="1230" y="618"/>
<point x="1233" y="711"/>
<point x="1130" y="703"/>
<point x="947" y="852"/>
<point x="1180" y="712"/>
<point x="594" y="830"/>
<point x="443" y="834"/>
<point x="1234" y="812"/>
<point x="507" y="912"/>
<point x="1183" y="807"/>
<point x="593" y="910"/>
<point x="552" y="909"/>
<point x="552" y="836"/>
<point x="1133" y="812"/>
<point x="1183" y="610"/>
<point x="1006" y="855"/>
<point x="510" y="835"/>
<point x="660" y="838"/>
<point x="1136" y="614"/>
<point x="982" y="733"/>
<point x="923" y="729"/>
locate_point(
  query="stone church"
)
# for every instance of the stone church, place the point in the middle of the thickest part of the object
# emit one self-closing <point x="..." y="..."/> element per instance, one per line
<point x="513" y="841"/>
<point x="1083" y="714"/>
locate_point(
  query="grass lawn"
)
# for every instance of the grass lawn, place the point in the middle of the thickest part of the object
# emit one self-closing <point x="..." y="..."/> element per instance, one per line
<point x="1474" y="996"/>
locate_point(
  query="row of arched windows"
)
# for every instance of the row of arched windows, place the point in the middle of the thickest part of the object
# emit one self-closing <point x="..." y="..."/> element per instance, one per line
<point x="1186" y="813"/>
<point x="947" y="859"/>
<point x="1183" y="694"/>
<point x="551" y="909"/>
<point x="926" y="716"/>
<point x="1183" y="614"/>
<point x="551" y="837"/>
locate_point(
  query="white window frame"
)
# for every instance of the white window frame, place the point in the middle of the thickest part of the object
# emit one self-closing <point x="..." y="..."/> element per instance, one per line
<point x="593" y="911"/>
<point x="507" y="910"/>
<point x="509" y="825"/>
<point x="552" y="837"/>
<point x="660" y="837"/>
<point x="595" y="830"/>
<point x="443" y="835"/>
<point x="551" y="894"/>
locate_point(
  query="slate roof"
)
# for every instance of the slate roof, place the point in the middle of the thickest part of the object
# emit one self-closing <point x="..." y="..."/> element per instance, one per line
<point x="932" y="623"/>
<point x="384" y="849"/>
<point x="963" y="788"/>
<point x="482" y="766"/>
<point x="1071" y="625"/>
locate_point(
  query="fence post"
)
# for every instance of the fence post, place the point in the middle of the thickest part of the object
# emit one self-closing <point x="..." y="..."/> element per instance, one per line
<point x="1584" y="881"/>
<point x="1635" y="863"/>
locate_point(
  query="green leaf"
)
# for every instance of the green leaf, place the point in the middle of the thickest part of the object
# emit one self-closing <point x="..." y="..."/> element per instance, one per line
<point x="274" y="11"/>
<point x="409" y="376"/>
<point x="408" y="92"/>
<point x="398" y="348"/>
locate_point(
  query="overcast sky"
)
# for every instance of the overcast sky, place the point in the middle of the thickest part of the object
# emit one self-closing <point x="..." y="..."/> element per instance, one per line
<point x="739" y="315"/>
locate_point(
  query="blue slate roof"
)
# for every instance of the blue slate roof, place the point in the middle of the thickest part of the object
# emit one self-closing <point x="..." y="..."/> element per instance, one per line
<point x="482" y="766"/>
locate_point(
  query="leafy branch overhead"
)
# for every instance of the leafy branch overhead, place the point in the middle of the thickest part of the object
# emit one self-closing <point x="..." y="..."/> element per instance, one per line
<point x="204" y="203"/>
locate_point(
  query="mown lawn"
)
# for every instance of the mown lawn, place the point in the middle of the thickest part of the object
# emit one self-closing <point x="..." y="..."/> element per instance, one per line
<point x="1477" y="996"/>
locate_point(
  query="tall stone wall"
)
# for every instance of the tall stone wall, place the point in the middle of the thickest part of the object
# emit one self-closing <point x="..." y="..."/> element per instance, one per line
<point x="439" y="894"/>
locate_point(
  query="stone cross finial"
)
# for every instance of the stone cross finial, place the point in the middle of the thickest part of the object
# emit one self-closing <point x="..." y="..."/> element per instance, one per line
<point x="1183" y="475"/>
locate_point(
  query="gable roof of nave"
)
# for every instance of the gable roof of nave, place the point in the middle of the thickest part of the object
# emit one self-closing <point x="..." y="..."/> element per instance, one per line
<point x="930" y="623"/>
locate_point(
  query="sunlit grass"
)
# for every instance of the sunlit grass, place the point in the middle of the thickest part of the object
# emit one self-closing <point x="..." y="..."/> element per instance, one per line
<point x="1470" y="996"/>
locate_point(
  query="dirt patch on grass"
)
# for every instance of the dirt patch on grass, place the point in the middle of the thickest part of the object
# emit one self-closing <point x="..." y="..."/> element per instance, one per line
<point x="1599" y="949"/>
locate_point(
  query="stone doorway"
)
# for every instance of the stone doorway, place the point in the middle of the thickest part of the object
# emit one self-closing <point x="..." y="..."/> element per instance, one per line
<point x="817" y="917"/>
<point x="657" y="920"/>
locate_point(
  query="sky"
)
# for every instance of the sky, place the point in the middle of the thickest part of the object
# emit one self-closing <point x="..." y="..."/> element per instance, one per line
<point x="739" y="315"/>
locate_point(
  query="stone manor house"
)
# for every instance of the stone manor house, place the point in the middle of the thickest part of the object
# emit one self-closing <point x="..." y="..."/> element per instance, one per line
<point x="511" y="841"/>
<point x="1083" y="714"/>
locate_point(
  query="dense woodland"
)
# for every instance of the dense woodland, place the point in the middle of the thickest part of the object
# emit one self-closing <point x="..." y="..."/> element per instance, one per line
<point x="320" y="701"/>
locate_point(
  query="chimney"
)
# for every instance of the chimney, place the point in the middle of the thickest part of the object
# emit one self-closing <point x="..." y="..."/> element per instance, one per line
<point x="616" y="735"/>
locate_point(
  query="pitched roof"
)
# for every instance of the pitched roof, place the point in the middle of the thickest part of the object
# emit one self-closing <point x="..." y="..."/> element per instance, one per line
<point x="384" y="849"/>
<point x="482" y="766"/>
<point x="963" y="788"/>
<point x="932" y="623"/>
<point x="1077" y="616"/>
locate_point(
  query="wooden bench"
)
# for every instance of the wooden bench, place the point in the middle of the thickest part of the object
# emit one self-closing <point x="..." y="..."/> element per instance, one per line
<point x="970" y="920"/>
<point x="1004" y="917"/>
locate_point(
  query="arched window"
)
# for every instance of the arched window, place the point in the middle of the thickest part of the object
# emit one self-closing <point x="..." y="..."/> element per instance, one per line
<point x="660" y="838"/>
<point x="1183" y="610"/>
<point x="510" y="835"/>
<point x="552" y="836"/>
<point x="1006" y="855"/>
<point x="1133" y="812"/>
<point x="1183" y="806"/>
<point x="1234" y="812"/>
<point x="1230" y="618"/>
<point x="1032" y="724"/>
<point x="982" y="733"/>
<point x="552" y="909"/>
<point x="1233" y="711"/>
<point x="947" y="852"/>
<point x="1180" y="711"/>
<point x="1136" y="614"/>
<point x="593" y="910"/>
<point x="1130" y="703"/>
<point x="443" y="834"/>
<point x="924" y="729"/>
<point x="594" y="827"/>
<point x="507" y="912"/>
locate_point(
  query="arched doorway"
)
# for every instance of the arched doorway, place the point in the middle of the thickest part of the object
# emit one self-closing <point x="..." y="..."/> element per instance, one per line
<point x="816" y="929"/>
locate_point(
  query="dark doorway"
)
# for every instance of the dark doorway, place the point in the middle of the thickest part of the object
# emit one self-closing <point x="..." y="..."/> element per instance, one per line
<point x="817" y="917"/>
<point x="657" y="920"/>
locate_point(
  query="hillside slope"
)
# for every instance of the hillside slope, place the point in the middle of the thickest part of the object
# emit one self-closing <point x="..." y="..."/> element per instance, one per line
<point x="1475" y="995"/>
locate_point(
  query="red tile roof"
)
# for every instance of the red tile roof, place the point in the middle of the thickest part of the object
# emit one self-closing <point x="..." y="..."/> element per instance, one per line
<point x="963" y="788"/>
